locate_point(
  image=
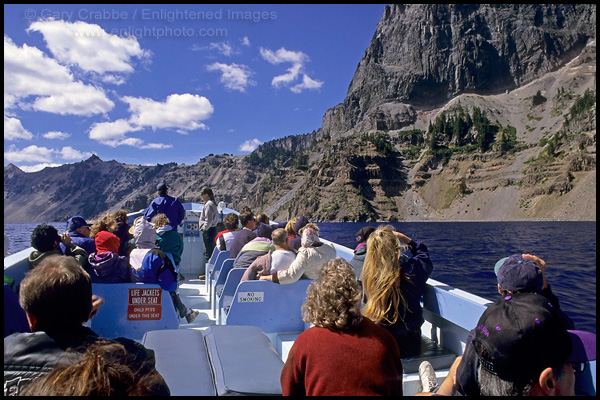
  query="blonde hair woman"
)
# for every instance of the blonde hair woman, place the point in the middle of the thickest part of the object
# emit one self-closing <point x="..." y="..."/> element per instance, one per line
<point x="393" y="286"/>
<point x="319" y="363"/>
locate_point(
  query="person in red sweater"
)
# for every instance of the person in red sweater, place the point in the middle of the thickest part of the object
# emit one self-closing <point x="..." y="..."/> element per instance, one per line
<point x="344" y="354"/>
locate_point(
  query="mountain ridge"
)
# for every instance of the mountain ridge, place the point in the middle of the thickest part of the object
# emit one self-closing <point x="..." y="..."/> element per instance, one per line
<point x="372" y="159"/>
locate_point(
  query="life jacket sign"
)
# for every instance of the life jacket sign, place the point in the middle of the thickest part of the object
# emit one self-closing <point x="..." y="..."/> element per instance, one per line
<point x="144" y="304"/>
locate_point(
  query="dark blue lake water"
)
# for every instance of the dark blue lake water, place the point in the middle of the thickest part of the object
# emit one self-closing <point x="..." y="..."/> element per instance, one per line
<point x="464" y="254"/>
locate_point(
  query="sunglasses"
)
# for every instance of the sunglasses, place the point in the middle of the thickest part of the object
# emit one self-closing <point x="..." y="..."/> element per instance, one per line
<point x="579" y="367"/>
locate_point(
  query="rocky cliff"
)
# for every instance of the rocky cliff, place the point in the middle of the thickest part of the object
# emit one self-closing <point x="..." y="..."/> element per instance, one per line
<point x="392" y="150"/>
<point x="423" y="55"/>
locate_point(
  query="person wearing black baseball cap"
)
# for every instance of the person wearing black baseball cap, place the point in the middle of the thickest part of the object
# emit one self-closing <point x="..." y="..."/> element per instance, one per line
<point x="522" y="348"/>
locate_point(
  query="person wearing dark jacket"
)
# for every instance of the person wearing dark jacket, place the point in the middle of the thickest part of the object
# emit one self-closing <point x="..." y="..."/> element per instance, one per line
<point x="165" y="204"/>
<point x="46" y="241"/>
<point x="79" y="231"/>
<point x="393" y="289"/>
<point x="107" y="265"/>
<point x="122" y="231"/>
<point x="57" y="299"/>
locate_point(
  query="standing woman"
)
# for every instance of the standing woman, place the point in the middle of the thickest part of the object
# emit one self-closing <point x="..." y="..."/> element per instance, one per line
<point x="393" y="287"/>
<point x="209" y="220"/>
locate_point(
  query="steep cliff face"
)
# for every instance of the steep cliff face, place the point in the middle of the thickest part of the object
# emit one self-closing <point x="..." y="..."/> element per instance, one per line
<point x="422" y="55"/>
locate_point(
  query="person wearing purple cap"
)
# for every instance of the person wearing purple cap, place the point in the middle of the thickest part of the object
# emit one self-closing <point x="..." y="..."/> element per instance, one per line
<point x="360" y="252"/>
<point x="526" y="273"/>
<point x="522" y="348"/>
<point x="165" y="204"/>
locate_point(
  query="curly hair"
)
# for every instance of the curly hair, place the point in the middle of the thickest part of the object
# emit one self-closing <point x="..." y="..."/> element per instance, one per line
<point x="105" y="223"/>
<point x="333" y="299"/>
<point x="120" y="216"/>
<point x="160" y="220"/>
<point x="231" y="221"/>
<point x="382" y="277"/>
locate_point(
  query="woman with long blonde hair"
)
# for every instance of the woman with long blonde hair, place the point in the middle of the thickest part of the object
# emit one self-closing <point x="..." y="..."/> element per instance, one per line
<point x="393" y="286"/>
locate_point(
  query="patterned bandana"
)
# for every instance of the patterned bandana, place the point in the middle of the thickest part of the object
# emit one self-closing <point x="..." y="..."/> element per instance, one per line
<point x="309" y="237"/>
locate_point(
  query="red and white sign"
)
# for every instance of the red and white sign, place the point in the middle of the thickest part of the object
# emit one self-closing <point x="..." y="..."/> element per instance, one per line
<point x="144" y="304"/>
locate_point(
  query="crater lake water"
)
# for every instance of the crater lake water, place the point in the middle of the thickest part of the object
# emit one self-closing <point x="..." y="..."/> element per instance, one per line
<point x="464" y="254"/>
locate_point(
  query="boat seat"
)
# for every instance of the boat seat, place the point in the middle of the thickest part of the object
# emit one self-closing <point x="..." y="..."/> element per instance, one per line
<point x="212" y="272"/>
<point x="227" y="291"/>
<point x="270" y="306"/>
<point x="182" y="360"/>
<point x="129" y="311"/>
<point x="243" y="360"/>
<point x="439" y="357"/>
<point x="219" y="282"/>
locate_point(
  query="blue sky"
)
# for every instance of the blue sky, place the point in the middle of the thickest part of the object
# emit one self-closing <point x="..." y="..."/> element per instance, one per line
<point x="148" y="84"/>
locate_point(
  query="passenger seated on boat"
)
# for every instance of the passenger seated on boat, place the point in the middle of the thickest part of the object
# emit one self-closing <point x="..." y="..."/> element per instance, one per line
<point x="106" y="223"/>
<point x="320" y="363"/>
<point x="393" y="289"/>
<point x="279" y="259"/>
<point x="245" y="235"/>
<point x="289" y="227"/>
<point x="106" y="264"/>
<point x="122" y="232"/>
<point x="262" y="218"/>
<point x="526" y="273"/>
<point x="521" y="347"/>
<point x="105" y="369"/>
<point x="360" y="251"/>
<point x="165" y="204"/>
<point x="255" y="248"/>
<point x="46" y="242"/>
<point x="57" y="299"/>
<point x="309" y="259"/>
<point x="80" y="233"/>
<point x="15" y="319"/>
<point x="151" y="265"/>
<point x="225" y="238"/>
<point x="296" y="243"/>
<point x="168" y="240"/>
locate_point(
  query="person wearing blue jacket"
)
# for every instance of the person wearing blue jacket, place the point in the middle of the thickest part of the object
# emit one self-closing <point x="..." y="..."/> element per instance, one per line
<point x="79" y="231"/>
<point x="165" y="204"/>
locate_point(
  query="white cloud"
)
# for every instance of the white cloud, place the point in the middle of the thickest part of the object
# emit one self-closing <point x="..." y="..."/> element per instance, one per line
<point x="69" y="153"/>
<point x="111" y="133"/>
<point x="223" y="48"/>
<point x="234" y="76"/>
<point x="250" y="145"/>
<point x="56" y="135"/>
<point x="88" y="46"/>
<point x="307" y="83"/>
<point x="182" y="111"/>
<point x="43" y="155"/>
<point x="284" y="56"/>
<point x="29" y="154"/>
<point x="245" y="41"/>
<point x="37" y="167"/>
<point x="298" y="59"/>
<point x="29" y="72"/>
<point x="13" y="130"/>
